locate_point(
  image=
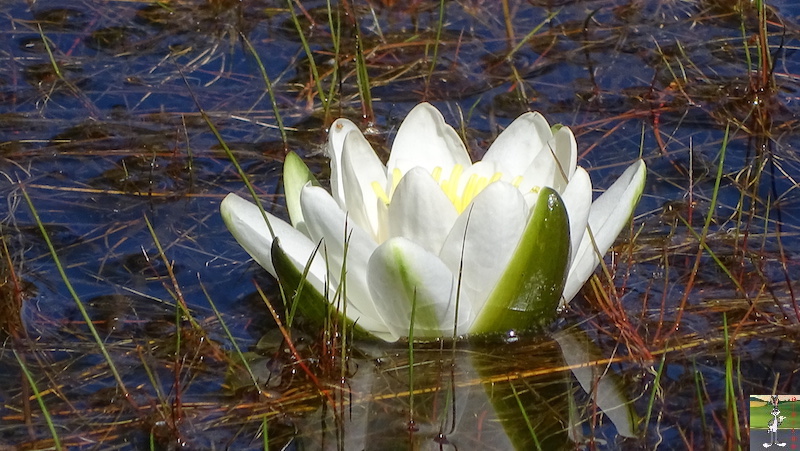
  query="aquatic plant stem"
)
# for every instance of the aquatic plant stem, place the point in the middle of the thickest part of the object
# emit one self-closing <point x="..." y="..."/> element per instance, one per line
<point x="178" y="293"/>
<point x="49" y="51"/>
<point x="656" y="389"/>
<point x="288" y="339"/>
<point x="507" y="19"/>
<point x="60" y="75"/>
<point x="336" y="39"/>
<point x="411" y="422"/>
<point x="523" y="41"/>
<point x="730" y="393"/>
<point x="699" y="381"/>
<point x="362" y="75"/>
<point x="230" y="155"/>
<point x="270" y="91"/>
<point x="312" y="64"/>
<point x="436" y="43"/>
<point x="265" y="433"/>
<point x="525" y="416"/>
<point x="297" y="296"/>
<point x="79" y="304"/>
<point x="38" y="395"/>
<point x="230" y="336"/>
<point x="702" y="247"/>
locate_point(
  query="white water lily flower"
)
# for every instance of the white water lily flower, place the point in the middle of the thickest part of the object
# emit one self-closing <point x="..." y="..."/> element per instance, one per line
<point x="472" y="248"/>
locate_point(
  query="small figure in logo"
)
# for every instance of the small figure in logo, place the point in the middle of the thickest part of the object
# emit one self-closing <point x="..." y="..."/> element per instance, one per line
<point x="774" y="423"/>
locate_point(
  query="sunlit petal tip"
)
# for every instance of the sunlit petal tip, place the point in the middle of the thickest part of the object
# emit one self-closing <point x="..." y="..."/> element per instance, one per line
<point x="424" y="139"/>
<point x="578" y="200"/>
<point x="247" y="225"/>
<point x="361" y="168"/>
<point x="336" y="135"/>
<point x="616" y="204"/>
<point x="338" y="132"/>
<point x="607" y="217"/>
<point x="565" y="148"/>
<point x="516" y="147"/>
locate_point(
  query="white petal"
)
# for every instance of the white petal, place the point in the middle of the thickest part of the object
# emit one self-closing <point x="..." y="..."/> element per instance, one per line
<point x="360" y="168"/>
<point x="554" y="165"/>
<point x="515" y="148"/>
<point x="326" y="221"/>
<point x="578" y="201"/>
<point x="403" y="275"/>
<point x="338" y="132"/>
<point x="420" y="211"/>
<point x="531" y="197"/>
<point x="608" y="215"/>
<point x="565" y="149"/>
<point x="425" y="140"/>
<point x="244" y="220"/>
<point x="541" y="172"/>
<point x="488" y="232"/>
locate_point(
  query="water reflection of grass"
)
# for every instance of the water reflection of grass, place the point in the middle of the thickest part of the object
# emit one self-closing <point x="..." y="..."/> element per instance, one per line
<point x="99" y="124"/>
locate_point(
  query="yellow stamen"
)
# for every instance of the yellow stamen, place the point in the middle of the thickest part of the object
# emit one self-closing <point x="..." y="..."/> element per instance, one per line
<point x="470" y="190"/>
<point x="396" y="177"/>
<point x="437" y="173"/>
<point x="450" y="186"/>
<point x="380" y="192"/>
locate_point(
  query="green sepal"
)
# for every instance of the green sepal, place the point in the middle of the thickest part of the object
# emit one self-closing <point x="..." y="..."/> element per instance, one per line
<point x="296" y="175"/>
<point x="307" y="300"/>
<point x="528" y="292"/>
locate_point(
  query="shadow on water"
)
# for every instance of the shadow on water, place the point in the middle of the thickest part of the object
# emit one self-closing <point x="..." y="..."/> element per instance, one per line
<point x="694" y="310"/>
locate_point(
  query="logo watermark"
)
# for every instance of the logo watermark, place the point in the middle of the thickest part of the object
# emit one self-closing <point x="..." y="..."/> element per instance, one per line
<point x="774" y="421"/>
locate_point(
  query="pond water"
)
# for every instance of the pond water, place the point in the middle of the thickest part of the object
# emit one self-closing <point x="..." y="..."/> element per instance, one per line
<point x="101" y="126"/>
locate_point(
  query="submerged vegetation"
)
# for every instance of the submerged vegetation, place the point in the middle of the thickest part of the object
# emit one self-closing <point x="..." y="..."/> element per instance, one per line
<point x="130" y="319"/>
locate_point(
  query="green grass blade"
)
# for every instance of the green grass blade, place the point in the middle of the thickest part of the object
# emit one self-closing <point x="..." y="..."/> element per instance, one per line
<point x="411" y="422"/>
<point x="525" y="416"/>
<point x="312" y="64"/>
<point x="230" y="336"/>
<point x="265" y="433"/>
<point x="270" y="91"/>
<point x="656" y="389"/>
<point x="74" y="295"/>
<point x="179" y="300"/>
<point x="730" y="391"/>
<point x="699" y="381"/>
<point x="38" y="395"/>
<point x="336" y="39"/>
<point x="439" y="27"/>
<point x="530" y="34"/>
<point x="230" y="156"/>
